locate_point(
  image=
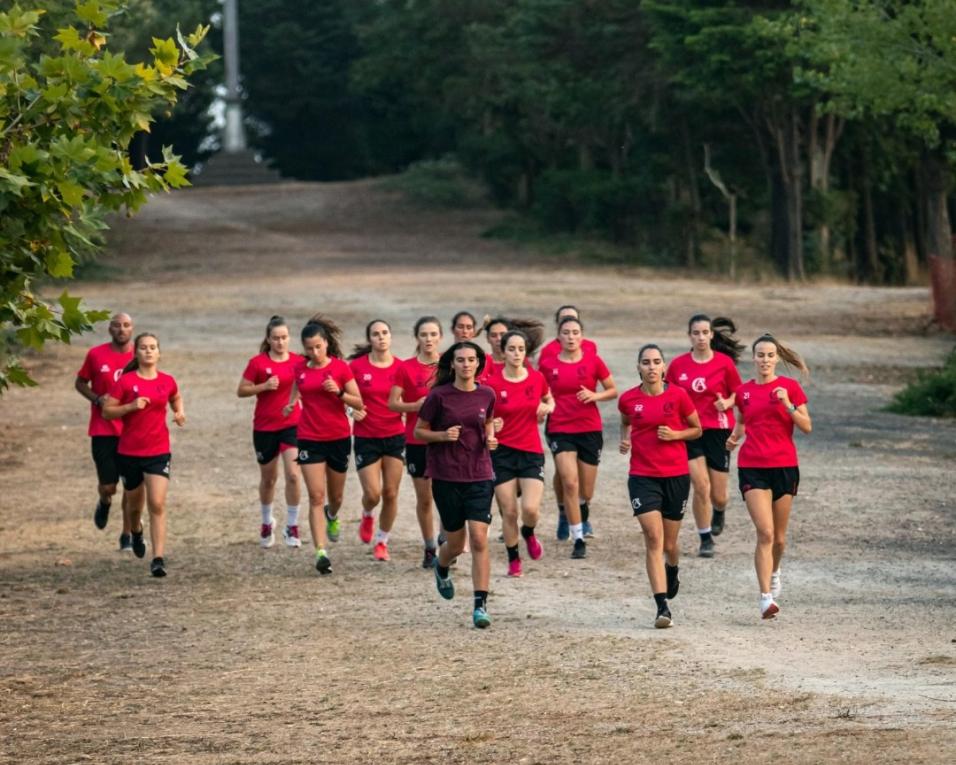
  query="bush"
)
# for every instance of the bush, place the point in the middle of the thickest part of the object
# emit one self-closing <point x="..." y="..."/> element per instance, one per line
<point x="438" y="183"/>
<point x="932" y="395"/>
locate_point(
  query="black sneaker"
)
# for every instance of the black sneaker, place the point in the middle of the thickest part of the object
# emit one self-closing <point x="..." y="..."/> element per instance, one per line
<point x="663" y="620"/>
<point x="157" y="567"/>
<point x="138" y="545"/>
<point x="706" y="547"/>
<point x="717" y="523"/>
<point x="580" y="549"/>
<point x="323" y="563"/>
<point x="430" y="559"/>
<point x="126" y="543"/>
<point x="673" y="583"/>
<point x="101" y="515"/>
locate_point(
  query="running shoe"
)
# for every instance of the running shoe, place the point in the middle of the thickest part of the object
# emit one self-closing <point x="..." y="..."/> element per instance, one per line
<point x="663" y="620"/>
<point x="333" y="526"/>
<point x="138" y="545"/>
<point x="446" y="587"/>
<point x="588" y="530"/>
<point x="157" y="567"/>
<point x="367" y="528"/>
<point x="580" y="549"/>
<point x="775" y="586"/>
<point x="430" y="559"/>
<point x="564" y="529"/>
<point x="381" y="552"/>
<point x="769" y="609"/>
<point x="323" y="564"/>
<point x="126" y="543"/>
<point x="673" y="582"/>
<point x="267" y="534"/>
<point x="102" y="514"/>
<point x="514" y="567"/>
<point x="291" y="536"/>
<point x="706" y="548"/>
<point x="535" y="550"/>
<point x="717" y="523"/>
<point x="480" y="618"/>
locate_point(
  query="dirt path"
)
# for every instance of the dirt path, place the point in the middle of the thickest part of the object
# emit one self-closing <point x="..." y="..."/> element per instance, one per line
<point x="245" y="656"/>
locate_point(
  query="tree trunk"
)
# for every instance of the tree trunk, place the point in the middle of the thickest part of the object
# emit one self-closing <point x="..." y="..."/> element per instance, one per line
<point x="693" y="228"/>
<point x="784" y="125"/>
<point x="939" y="240"/>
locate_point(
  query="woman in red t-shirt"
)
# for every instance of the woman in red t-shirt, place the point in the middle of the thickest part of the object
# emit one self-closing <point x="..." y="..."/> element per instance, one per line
<point x="769" y="406"/>
<point x="140" y="397"/>
<point x="574" y="430"/>
<point x="495" y="329"/>
<point x="326" y="386"/>
<point x="523" y="399"/>
<point x="379" y="434"/>
<point x="709" y="375"/>
<point x="268" y="376"/>
<point x="656" y="422"/>
<point x="464" y="326"/>
<point x="414" y="380"/>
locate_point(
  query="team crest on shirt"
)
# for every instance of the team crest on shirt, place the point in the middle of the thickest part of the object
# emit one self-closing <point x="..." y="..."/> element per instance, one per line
<point x="105" y="369"/>
<point x="669" y="407"/>
<point x="699" y="384"/>
<point x="683" y="377"/>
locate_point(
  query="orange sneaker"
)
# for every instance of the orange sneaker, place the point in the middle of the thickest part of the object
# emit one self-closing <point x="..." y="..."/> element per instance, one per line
<point x="381" y="552"/>
<point x="367" y="528"/>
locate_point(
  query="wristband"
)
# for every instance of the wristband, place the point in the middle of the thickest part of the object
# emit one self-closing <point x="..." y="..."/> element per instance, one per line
<point x="792" y="408"/>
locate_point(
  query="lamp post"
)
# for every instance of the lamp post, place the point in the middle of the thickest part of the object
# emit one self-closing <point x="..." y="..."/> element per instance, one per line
<point x="234" y="135"/>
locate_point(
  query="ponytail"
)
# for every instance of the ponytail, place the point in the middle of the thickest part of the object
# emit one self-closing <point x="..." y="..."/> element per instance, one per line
<point x="364" y="349"/>
<point x="722" y="332"/>
<point x="275" y="321"/>
<point x="531" y="329"/>
<point x="789" y="356"/>
<point x="133" y="364"/>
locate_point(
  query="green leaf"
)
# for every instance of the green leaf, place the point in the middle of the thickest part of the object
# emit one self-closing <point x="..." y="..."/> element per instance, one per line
<point x="175" y="175"/>
<point x="70" y="40"/>
<point x="166" y="55"/>
<point x="17" y="375"/>
<point x="71" y="192"/>
<point x="91" y="13"/>
<point x="74" y="319"/>
<point x="13" y="183"/>
<point x="59" y="264"/>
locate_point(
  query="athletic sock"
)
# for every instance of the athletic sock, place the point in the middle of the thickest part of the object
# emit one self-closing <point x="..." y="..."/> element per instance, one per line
<point x="292" y="515"/>
<point x="381" y="536"/>
<point x="585" y="512"/>
<point x="527" y="531"/>
<point x="430" y="544"/>
<point x="661" y="599"/>
<point x="512" y="553"/>
<point x="442" y="571"/>
<point x="481" y="598"/>
<point x="367" y="513"/>
<point x="765" y="600"/>
<point x="266" y="513"/>
<point x="577" y="531"/>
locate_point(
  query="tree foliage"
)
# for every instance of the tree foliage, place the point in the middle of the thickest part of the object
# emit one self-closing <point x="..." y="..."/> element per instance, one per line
<point x="69" y="105"/>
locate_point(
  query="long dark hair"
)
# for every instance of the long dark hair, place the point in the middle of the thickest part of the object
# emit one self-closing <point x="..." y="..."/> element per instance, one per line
<point x="275" y="321"/>
<point x="568" y="319"/>
<point x="422" y="321"/>
<point x="531" y="343"/>
<point x="722" y="334"/>
<point x="327" y="329"/>
<point x="557" y="314"/>
<point x="364" y="349"/>
<point x="789" y="356"/>
<point x="133" y="364"/>
<point x="445" y="373"/>
<point x="457" y="316"/>
<point x="531" y="329"/>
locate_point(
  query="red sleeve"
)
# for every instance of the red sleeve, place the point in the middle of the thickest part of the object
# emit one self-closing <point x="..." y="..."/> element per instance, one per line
<point x="797" y="396"/>
<point x="86" y="372"/>
<point x="733" y="376"/>
<point x="117" y="390"/>
<point x="347" y="373"/>
<point x="545" y="389"/>
<point x="175" y="390"/>
<point x="601" y="368"/>
<point x="251" y="368"/>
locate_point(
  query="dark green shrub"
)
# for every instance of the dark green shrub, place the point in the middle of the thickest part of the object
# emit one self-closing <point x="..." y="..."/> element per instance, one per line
<point x="932" y="395"/>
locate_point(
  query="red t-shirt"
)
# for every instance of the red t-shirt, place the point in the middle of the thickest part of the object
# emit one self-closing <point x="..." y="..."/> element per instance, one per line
<point x="323" y="413"/>
<point x="415" y="379"/>
<point x="553" y="348"/>
<point x="565" y="380"/>
<point x="144" y="430"/>
<point x="703" y="381"/>
<point x="516" y="403"/>
<point x="101" y="368"/>
<point x="269" y="403"/>
<point x="466" y="460"/>
<point x="375" y="383"/>
<point x="768" y="441"/>
<point x="492" y="368"/>
<point x="649" y="455"/>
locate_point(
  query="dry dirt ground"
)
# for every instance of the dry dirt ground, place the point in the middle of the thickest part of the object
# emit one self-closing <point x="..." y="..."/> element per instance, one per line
<point x="245" y="655"/>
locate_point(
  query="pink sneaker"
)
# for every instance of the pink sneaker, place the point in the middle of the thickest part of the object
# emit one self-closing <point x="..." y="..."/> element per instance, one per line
<point x="535" y="550"/>
<point x="381" y="552"/>
<point x="367" y="528"/>
<point x="267" y="535"/>
<point x="514" y="567"/>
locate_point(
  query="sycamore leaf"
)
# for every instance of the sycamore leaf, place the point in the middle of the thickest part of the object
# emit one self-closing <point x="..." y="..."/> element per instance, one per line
<point x="13" y="183"/>
<point x="91" y="13"/>
<point x="59" y="264"/>
<point x="72" y="316"/>
<point x="166" y="55"/>
<point x="175" y="175"/>
<point x="16" y="375"/>
<point x="71" y="192"/>
<point x="70" y="39"/>
<point x="197" y="36"/>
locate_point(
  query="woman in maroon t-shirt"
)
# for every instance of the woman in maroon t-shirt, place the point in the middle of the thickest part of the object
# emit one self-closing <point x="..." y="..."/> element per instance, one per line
<point x="268" y="376"/>
<point x="325" y="385"/>
<point x="656" y="422"/>
<point x="140" y="397"/>
<point x="767" y="467"/>
<point x="456" y="421"/>
<point x="414" y="380"/>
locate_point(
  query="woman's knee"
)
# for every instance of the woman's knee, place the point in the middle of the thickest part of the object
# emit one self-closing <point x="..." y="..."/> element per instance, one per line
<point x="764" y="535"/>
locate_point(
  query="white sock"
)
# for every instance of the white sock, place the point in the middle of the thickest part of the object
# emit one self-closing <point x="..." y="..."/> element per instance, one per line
<point x="765" y="600"/>
<point x="577" y="531"/>
<point x="703" y="531"/>
<point x="292" y="515"/>
<point x="381" y="536"/>
<point x="367" y="513"/>
<point x="266" y="513"/>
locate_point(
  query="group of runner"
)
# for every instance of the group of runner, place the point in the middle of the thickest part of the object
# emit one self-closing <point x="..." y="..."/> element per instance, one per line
<point x="464" y="424"/>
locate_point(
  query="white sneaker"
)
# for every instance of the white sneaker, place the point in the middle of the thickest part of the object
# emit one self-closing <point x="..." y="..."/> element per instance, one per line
<point x="291" y="536"/>
<point x="775" y="586"/>
<point x="768" y="609"/>
<point x="267" y="534"/>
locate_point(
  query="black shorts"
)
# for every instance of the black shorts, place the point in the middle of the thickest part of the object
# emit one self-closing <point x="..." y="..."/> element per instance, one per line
<point x="458" y="502"/>
<point x="268" y="443"/>
<point x="712" y="446"/>
<point x="666" y="495"/>
<point x="780" y="481"/>
<point x="104" y="457"/>
<point x="368" y="451"/>
<point x="335" y="454"/>
<point x="415" y="460"/>
<point x="514" y="463"/>
<point x="587" y="445"/>
<point x="133" y="469"/>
